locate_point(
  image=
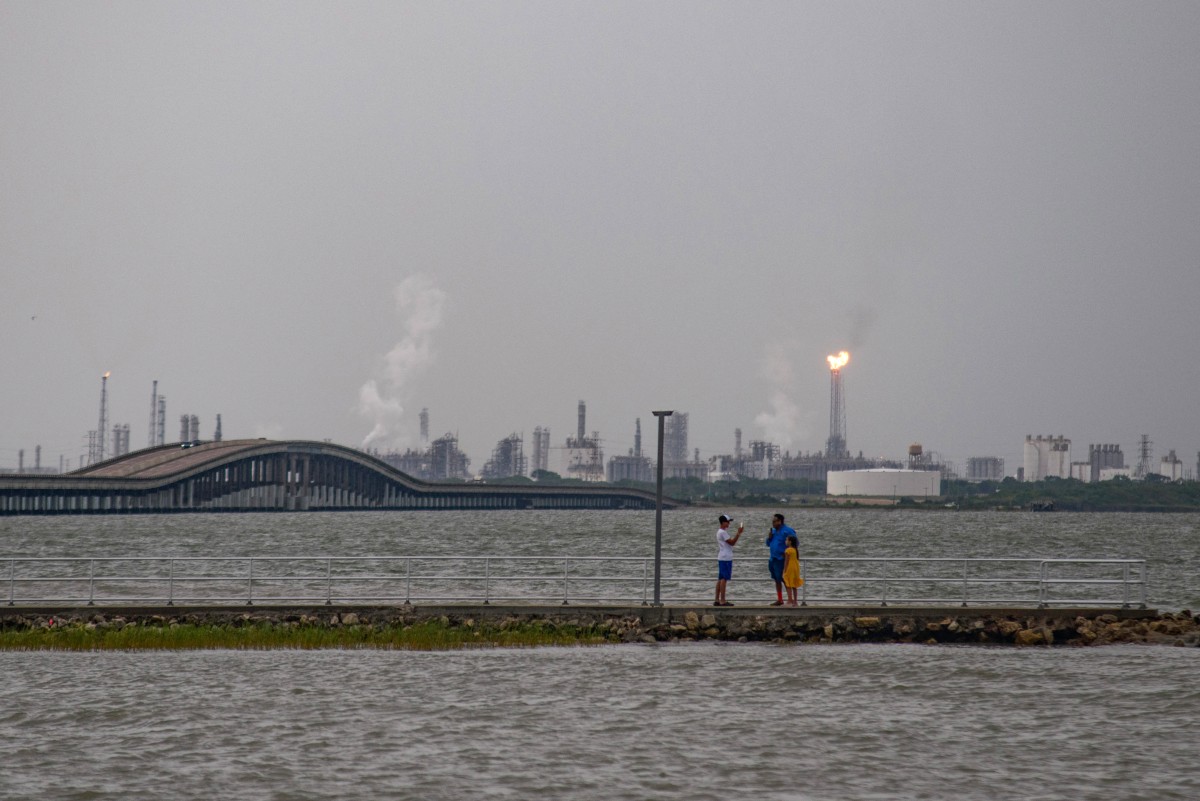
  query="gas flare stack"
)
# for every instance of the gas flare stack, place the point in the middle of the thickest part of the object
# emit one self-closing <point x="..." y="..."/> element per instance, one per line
<point x="835" y="446"/>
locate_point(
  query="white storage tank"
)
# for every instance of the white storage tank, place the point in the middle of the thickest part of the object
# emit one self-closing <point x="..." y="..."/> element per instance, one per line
<point x="885" y="483"/>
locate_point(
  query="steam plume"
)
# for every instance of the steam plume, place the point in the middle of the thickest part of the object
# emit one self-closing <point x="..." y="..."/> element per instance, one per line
<point x="419" y="304"/>
<point x="781" y="423"/>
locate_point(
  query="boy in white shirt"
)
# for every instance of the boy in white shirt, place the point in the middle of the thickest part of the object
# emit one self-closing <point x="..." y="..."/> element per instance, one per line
<point x="725" y="543"/>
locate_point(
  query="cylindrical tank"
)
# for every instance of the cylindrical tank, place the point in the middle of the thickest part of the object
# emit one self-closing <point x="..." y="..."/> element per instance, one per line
<point x="885" y="483"/>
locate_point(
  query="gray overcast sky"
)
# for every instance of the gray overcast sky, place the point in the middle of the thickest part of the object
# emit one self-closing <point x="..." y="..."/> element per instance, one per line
<point x="317" y="218"/>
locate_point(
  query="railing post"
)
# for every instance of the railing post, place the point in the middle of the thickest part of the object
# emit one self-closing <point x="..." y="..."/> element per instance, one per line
<point x="91" y="582"/>
<point x="171" y="582"/>
<point x="250" y="584"/>
<point x="883" y="597"/>
<point x="565" y="569"/>
<point x="328" y="581"/>
<point x="1042" y="585"/>
<point x="964" y="600"/>
<point x="487" y="580"/>
<point x="408" y="580"/>
<point x="1125" y="587"/>
<point x="803" y="586"/>
<point x="12" y="580"/>
<point x="645" y="582"/>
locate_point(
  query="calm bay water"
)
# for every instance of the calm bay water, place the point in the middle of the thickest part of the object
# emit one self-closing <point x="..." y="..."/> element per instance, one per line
<point x="687" y="721"/>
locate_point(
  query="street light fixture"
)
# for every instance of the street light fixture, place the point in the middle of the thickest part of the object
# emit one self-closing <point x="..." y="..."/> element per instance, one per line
<point x="662" y="419"/>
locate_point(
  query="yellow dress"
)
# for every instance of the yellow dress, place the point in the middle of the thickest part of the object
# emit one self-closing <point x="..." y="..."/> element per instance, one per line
<point x="791" y="568"/>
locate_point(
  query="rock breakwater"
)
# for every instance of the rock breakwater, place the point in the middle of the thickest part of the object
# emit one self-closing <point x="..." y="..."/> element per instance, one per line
<point x="677" y="624"/>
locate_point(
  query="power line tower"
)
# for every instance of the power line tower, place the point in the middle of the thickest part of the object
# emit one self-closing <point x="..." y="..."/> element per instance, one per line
<point x="1145" y="451"/>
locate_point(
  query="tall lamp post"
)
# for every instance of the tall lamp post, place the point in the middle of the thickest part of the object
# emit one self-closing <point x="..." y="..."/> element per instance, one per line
<point x="662" y="419"/>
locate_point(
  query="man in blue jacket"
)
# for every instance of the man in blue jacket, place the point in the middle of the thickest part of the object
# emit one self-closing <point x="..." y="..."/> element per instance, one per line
<point x="777" y="542"/>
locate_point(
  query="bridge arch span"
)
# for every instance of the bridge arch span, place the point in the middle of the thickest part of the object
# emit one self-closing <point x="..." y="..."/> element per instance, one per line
<point x="268" y="475"/>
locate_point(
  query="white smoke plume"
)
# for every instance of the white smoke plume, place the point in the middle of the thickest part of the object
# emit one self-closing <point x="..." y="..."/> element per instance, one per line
<point x="782" y="423"/>
<point x="419" y="304"/>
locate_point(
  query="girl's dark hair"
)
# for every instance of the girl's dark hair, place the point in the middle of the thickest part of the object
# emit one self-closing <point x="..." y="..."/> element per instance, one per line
<point x="795" y="543"/>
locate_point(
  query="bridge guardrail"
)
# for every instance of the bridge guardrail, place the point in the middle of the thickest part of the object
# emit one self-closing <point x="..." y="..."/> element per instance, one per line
<point x="199" y="580"/>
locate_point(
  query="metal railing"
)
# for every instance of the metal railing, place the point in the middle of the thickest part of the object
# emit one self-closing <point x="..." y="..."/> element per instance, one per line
<point x="565" y="579"/>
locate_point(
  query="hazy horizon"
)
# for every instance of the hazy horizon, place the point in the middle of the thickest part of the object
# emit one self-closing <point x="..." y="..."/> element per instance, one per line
<point x="317" y="219"/>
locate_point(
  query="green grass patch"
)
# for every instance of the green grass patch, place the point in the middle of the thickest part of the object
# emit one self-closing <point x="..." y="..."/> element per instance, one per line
<point x="424" y="636"/>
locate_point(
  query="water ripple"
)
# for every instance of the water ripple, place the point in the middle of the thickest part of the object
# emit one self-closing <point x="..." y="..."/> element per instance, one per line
<point x="860" y="722"/>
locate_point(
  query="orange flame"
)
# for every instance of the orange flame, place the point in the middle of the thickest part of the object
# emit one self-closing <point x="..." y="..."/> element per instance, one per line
<point x="106" y="375"/>
<point x="839" y="361"/>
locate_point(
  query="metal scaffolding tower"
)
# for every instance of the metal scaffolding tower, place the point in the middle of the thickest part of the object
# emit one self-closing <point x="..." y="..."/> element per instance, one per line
<point x="161" y="432"/>
<point x="675" y="439"/>
<point x="508" y="458"/>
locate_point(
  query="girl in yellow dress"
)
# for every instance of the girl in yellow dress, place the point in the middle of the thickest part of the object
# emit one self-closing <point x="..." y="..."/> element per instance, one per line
<point x="791" y="570"/>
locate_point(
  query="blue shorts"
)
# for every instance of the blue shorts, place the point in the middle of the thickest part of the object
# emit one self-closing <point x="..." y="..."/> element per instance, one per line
<point x="776" y="566"/>
<point x="724" y="569"/>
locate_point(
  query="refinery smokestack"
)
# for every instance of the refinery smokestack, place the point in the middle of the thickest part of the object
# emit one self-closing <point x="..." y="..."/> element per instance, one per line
<point x="835" y="446"/>
<point x="582" y="419"/>
<point x="153" y="438"/>
<point x="424" y="426"/>
<point x="103" y="429"/>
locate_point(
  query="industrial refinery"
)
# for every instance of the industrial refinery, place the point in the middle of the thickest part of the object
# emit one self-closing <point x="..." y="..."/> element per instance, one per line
<point x="581" y="456"/>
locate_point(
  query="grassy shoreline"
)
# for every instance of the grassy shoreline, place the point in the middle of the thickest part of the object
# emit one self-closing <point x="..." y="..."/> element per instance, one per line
<point x="422" y="636"/>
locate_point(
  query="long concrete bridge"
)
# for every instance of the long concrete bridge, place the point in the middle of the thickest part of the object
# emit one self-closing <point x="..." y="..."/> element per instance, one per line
<point x="266" y="475"/>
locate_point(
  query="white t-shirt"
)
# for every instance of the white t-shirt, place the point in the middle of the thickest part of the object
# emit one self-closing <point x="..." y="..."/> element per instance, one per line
<point x="724" y="549"/>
